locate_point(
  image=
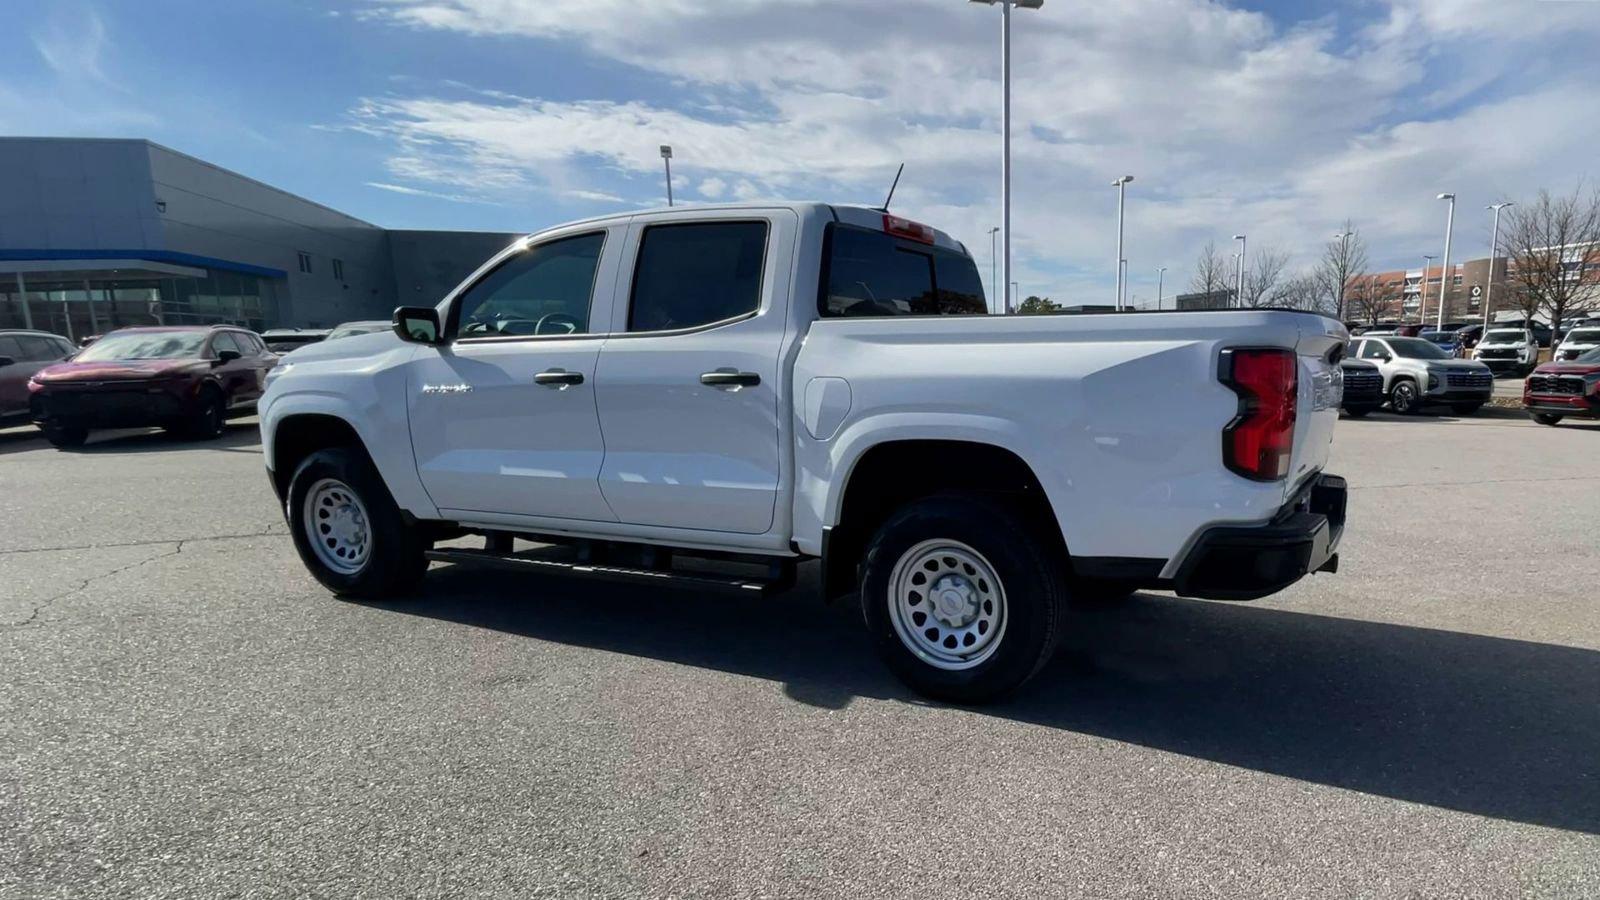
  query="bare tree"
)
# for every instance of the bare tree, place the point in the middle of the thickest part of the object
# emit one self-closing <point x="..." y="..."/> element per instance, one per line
<point x="1548" y="244"/>
<point x="1302" y="291"/>
<point x="1343" y="259"/>
<point x="1213" y="273"/>
<point x="1368" y="299"/>
<point x="1261" y="279"/>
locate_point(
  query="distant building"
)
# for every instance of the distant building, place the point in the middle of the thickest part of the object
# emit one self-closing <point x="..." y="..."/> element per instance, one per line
<point x="101" y="233"/>
<point x="1212" y="300"/>
<point x="1403" y="298"/>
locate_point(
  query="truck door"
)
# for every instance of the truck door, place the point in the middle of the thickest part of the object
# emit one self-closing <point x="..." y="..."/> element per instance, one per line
<point x="503" y="414"/>
<point x="689" y="386"/>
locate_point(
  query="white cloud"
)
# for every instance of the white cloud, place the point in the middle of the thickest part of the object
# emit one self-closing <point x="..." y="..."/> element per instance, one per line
<point x="419" y="192"/>
<point x="1231" y="121"/>
<point x="71" y="43"/>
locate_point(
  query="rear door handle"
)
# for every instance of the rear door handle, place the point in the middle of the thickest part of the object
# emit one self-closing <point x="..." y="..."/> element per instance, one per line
<point x="730" y="378"/>
<point x="560" y="379"/>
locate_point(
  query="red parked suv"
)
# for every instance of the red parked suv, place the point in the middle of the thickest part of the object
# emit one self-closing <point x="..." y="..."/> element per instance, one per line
<point x="187" y="379"/>
<point x="1556" y="390"/>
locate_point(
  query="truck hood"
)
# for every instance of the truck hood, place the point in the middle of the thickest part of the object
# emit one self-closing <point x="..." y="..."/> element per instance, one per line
<point x="119" y="370"/>
<point x="345" y="348"/>
<point x="1568" y="368"/>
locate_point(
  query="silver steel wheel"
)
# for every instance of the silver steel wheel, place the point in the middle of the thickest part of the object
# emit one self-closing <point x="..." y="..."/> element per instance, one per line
<point x="337" y="526"/>
<point x="947" y="605"/>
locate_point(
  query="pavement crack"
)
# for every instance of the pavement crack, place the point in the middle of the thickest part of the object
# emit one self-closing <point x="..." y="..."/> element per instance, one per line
<point x="84" y="584"/>
<point x="269" y="530"/>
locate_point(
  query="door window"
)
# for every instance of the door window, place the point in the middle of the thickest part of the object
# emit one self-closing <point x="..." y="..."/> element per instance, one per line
<point x="1373" y="350"/>
<point x="696" y="274"/>
<point x="544" y="290"/>
<point x="224" y="341"/>
<point x="10" y="347"/>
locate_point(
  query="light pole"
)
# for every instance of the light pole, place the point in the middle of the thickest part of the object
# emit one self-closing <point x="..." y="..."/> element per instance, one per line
<point x="1494" y="252"/>
<point x="1005" y="120"/>
<point x="1014" y="292"/>
<point x="1122" y="279"/>
<point x="1161" y="280"/>
<point x="1343" y="237"/>
<point x="1239" y="296"/>
<point x="1121" y="184"/>
<point x="1422" y="298"/>
<point x="666" y="157"/>
<point x="1444" y="270"/>
<point x="994" y="280"/>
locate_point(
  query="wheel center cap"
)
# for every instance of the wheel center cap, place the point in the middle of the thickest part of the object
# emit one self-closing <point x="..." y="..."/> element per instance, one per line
<point x="953" y="601"/>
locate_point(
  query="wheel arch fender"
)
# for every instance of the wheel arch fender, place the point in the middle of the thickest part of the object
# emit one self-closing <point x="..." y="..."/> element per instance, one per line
<point x="293" y="425"/>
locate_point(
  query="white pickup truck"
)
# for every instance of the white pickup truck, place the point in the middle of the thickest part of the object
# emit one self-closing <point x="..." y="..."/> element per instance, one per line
<point x="764" y="385"/>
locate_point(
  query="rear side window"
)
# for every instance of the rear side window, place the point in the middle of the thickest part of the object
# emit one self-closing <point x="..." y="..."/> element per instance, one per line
<point x="39" y="349"/>
<point x="697" y="274"/>
<point x="10" y="347"/>
<point x="874" y="274"/>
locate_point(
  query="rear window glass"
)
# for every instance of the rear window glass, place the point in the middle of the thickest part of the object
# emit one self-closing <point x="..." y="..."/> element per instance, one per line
<point x="873" y="274"/>
<point x="1585" y="336"/>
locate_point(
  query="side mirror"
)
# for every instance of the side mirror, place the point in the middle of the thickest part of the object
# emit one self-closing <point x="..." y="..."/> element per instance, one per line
<point x="6" y="361"/>
<point x="227" y="356"/>
<point x="417" y="324"/>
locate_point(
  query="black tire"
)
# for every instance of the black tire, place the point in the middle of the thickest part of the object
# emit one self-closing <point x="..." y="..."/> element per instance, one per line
<point x="394" y="564"/>
<point x="1358" y="412"/>
<point x="1466" y="409"/>
<point x="64" y="437"/>
<point x="1547" y="418"/>
<point x="209" y="421"/>
<point x="1028" y="582"/>
<point x="1403" y="397"/>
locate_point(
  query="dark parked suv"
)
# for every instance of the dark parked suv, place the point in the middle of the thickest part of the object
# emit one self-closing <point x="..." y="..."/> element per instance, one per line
<point x="23" y="353"/>
<point x="187" y="379"/>
<point x="1363" y="387"/>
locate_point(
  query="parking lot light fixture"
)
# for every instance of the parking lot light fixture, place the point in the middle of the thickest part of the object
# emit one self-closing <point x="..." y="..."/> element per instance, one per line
<point x="1005" y="124"/>
<point x="1238" y="298"/>
<point x="1121" y="184"/>
<point x="1161" y="280"/>
<point x="1444" y="267"/>
<point x="666" y="158"/>
<point x="1422" y="298"/>
<point x="1494" y="253"/>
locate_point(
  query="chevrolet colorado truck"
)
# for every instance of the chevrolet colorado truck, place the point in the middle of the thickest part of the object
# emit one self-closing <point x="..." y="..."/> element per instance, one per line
<point x="653" y="396"/>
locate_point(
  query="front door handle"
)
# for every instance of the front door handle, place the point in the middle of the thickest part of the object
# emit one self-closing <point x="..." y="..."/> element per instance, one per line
<point x="730" y="378"/>
<point x="560" y="379"/>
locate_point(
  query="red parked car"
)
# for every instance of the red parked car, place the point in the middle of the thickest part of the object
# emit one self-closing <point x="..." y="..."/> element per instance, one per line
<point x="187" y="379"/>
<point x="1557" y="390"/>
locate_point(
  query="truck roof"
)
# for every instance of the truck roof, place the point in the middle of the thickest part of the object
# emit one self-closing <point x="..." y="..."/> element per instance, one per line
<point x="860" y="216"/>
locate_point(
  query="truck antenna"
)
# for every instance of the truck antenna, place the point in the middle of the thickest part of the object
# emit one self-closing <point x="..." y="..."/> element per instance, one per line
<point x="885" y="206"/>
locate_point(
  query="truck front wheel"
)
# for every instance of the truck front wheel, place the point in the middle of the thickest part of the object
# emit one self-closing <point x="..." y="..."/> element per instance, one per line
<point x="348" y="530"/>
<point x="962" y="598"/>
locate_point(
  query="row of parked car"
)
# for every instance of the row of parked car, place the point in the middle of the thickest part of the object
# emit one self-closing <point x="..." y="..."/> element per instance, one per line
<point x="1410" y="374"/>
<point x="188" y="379"/>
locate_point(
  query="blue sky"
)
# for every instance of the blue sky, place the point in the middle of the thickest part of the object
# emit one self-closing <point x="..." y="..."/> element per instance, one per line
<point x="1277" y="119"/>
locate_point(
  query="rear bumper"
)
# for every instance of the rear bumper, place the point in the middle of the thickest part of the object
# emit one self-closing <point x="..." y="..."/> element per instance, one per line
<point x="1247" y="562"/>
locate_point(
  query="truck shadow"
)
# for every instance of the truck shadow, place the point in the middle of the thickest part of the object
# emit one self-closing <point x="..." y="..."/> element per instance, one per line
<point x="1490" y="726"/>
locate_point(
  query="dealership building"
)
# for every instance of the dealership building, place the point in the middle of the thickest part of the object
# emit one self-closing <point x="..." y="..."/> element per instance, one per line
<point x="97" y="234"/>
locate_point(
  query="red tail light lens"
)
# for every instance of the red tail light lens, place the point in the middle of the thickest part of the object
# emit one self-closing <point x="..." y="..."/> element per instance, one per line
<point x="1258" y="442"/>
<point x="906" y="228"/>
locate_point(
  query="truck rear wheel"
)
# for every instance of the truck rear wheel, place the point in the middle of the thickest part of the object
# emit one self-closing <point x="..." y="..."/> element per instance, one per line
<point x="1547" y="419"/>
<point x="962" y="598"/>
<point x="348" y="530"/>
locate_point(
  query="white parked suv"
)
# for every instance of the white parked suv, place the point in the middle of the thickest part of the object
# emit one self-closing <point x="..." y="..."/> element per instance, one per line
<point x="782" y="383"/>
<point x="1416" y="373"/>
<point x="1508" y="350"/>
<point x="1579" y="340"/>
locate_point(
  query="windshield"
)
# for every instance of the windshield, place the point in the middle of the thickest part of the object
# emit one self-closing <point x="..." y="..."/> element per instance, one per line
<point x="355" y="328"/>
<point x="1416" y="348"/>
<point x="1584" y="336"/>
<point x="1504" y="337"/>
<point x="1593" y="356"/>
<point x="145" y="345"/>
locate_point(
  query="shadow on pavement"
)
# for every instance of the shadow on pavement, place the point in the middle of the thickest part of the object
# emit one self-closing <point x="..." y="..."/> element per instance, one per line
<point x="239" y="437"/>
<point x="1496" y="727"/>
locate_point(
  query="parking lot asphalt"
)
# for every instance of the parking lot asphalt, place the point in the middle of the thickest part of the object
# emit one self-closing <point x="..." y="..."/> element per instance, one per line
<point x="185" y="713"/>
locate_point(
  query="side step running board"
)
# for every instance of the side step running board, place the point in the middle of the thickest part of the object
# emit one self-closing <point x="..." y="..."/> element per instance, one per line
<point x="664" y="577"/>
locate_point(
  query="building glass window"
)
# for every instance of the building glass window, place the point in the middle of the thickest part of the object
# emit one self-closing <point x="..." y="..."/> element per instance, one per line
<point x="338" y="270"/>
<point x="304" y="259"/>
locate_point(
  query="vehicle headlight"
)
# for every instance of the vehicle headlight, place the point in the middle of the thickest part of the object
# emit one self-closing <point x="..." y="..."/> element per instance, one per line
<point x="274" y="373"/>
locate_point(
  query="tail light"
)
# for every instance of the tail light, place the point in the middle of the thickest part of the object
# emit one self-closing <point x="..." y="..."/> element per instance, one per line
<point x="1258" y="442"/>
<point x="908" y="229"/>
